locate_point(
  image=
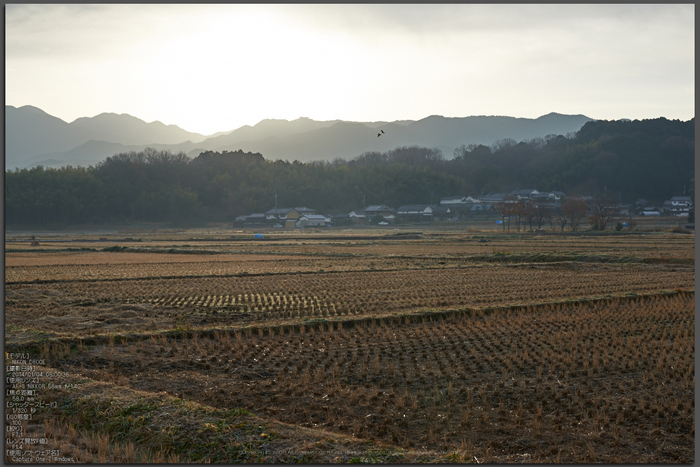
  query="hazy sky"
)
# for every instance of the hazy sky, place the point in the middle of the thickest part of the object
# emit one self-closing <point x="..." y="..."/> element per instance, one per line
<point x="209" y="68"/>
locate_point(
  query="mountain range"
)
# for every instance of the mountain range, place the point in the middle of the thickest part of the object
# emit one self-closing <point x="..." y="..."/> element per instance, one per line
<point x="33" y="137"/>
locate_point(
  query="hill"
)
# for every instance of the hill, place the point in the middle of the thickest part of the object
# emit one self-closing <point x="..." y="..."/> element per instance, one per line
<point x="650" y="159"/>
<point x="34" y="137"/>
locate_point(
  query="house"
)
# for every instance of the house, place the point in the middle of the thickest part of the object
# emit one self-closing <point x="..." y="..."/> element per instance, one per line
<point x="482" y="207"/>
<point x="557" y="195"/>
<point x="459" y="204"/>
<point x="304" y="211"/>
<point x="458" y="200"/>
<point x="441" y="211"/>
<point x="678" y="205"/>
<point x="527" y="193"/>
<point x="255" y="218"/>
<point x="389" y="214"/>
<point x="379" y="210"/>
<point x="494" y="198"/>
<point x="416" y="212"/>
<point x="278" y="213"/>
<point x="358" y="217"/>
<point x="552" y="196"/>
<point x="340" y="219"/>
<point x="312" y="220"/>
<point x="453" y="200"/>
<point x="282" y="214"/>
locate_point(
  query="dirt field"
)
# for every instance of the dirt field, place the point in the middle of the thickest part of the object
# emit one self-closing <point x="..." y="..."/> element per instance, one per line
<point x="389" y="346"/>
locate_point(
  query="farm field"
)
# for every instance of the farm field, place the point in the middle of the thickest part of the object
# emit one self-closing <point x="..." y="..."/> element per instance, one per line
<point x="428" y="345"/>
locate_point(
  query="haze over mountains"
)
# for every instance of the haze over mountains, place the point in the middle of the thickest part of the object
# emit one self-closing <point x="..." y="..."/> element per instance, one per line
<point x="33" y="137"/>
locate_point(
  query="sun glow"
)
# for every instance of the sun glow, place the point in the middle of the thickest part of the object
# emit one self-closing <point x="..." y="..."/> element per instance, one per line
<point x="209" y="68"/>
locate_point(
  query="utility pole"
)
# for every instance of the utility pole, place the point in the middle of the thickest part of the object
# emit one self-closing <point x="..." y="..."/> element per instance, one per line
<point x="363" y="200"/>
<point x="275" y="203"/>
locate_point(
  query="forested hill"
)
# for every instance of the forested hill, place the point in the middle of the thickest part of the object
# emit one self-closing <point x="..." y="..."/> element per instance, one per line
<point x="651" y="159"/>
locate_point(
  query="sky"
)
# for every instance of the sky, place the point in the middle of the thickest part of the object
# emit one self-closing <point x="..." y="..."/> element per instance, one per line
<point x="217" y="67"/>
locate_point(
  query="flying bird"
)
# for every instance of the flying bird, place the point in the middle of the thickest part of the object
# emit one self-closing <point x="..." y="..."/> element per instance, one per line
<point x="380" y="134"/>
<point x="382" y="131"/>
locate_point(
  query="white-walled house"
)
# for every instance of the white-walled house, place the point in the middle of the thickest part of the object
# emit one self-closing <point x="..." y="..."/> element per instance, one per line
<point x="678" y="205"/>
<point x="416" y="212"/>
<point x="313" y="220"/>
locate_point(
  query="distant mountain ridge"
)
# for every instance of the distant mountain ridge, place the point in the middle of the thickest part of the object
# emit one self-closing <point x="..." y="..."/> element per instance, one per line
<point x="34" y="137"/>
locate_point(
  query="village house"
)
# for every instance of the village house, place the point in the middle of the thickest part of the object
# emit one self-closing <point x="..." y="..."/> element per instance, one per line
<point x="389" y="214"/>
<point x="678" y="206"/>
<point x="283" y="214"/>
<point x="527" y="193"/>
<point x="312" y="220"/>
<point x="415" y="213"/>
<point x="358" y="217"/>
<point x="553" y="196"/>
<point x="340" y="219"/>
<point x="494" y="198"/>
<point x="455" y="201"/>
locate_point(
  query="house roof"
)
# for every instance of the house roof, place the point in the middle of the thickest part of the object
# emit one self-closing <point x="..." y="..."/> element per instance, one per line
<point x="378" y="207"/>
<point x="448" y="198"/>
<point x="413" y="207"/>
<point x="494" y="197"/>
<point x="278" y="211"/>
<point x="304" y="209"/>
<point x="681" y="198"/>
<point x="256" y="215"/>
<point x="436" y="208"/>
<point x="524" y="191"/>
<point x="313" y="217"/>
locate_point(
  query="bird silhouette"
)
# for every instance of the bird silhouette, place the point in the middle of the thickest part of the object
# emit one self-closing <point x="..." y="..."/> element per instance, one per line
<point x="382" y="131"/>
<point x="378" y="135"/>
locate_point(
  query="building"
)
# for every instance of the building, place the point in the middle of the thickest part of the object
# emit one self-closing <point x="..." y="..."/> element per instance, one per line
<point x="415" y="212"/>
<point x="494" y="198"/>
<point x="389" y="214"/>
<point x="458" y="201"/>
<point x="282" y="214"/>
<point x="441" y="211"/>
<point x="678" y="206"/>
<point x="527" y="193"/>
<point x="312" y="220"/>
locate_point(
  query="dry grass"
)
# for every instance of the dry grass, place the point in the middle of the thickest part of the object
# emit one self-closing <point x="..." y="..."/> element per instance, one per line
<point x="525" y="372"/>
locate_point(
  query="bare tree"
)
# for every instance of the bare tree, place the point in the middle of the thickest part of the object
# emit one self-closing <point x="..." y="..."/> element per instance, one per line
<point x="543" y="213"/>
<point x="559" y="217"/>
<point x="530" y="212"/>
<point x="602" y="212"/>
<point x="574" y="209"/>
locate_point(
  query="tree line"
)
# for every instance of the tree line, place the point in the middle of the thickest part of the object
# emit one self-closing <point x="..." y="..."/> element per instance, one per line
<point x="651" y="159"/>
<point x="598" y="211"/>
